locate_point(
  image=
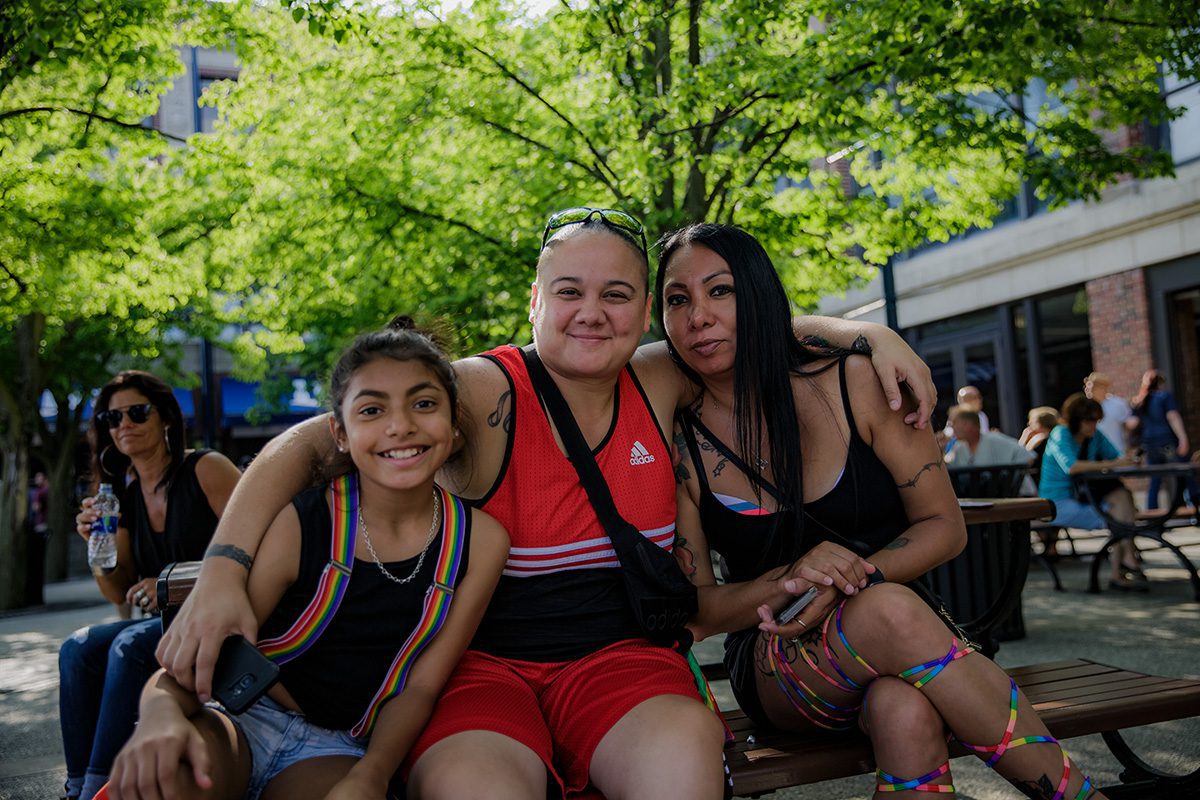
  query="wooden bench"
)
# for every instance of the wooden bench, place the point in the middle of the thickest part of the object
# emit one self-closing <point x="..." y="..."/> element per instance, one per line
<point x="1074" y="698"/>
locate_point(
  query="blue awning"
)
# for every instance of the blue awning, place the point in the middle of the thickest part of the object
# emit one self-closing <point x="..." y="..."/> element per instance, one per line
<point x="238" y="397"/>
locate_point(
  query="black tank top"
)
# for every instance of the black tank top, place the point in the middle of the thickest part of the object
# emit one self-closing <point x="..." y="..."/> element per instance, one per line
<point x="862" y="512"/>
<point x="189" y="526"/>
<point x="335" y="679"/>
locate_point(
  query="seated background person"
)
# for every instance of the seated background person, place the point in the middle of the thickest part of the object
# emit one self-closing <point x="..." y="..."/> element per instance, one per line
<point x="171" y="499"/>
<point x="974" y="447"/>
<point x="1076" y="446"/>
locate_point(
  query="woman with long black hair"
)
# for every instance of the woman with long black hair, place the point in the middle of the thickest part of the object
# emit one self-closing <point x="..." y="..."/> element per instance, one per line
<point x="794" y="469"/>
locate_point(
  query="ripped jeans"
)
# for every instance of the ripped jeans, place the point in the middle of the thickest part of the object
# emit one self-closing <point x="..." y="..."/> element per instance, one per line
<point x="101" y="672"/>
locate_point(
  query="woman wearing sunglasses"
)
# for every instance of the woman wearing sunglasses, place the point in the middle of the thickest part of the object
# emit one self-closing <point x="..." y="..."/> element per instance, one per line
<point x="560" y="681"/>
<point x="171" y="499"/>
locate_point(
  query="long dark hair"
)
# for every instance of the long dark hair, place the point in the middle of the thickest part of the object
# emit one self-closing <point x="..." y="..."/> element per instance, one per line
<point x="766" y="358"/>
<point x="401" y="340"/>
<point x="110" y="465"/>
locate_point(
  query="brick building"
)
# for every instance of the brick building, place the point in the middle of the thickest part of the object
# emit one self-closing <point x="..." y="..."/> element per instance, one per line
<point x="1026" y="309"/>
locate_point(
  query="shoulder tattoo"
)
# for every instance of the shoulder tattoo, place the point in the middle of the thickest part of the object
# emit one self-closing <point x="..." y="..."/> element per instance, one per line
<point x="911" y="482"/>
<point x="502" y="417"/>
<point x="230" y="551"/>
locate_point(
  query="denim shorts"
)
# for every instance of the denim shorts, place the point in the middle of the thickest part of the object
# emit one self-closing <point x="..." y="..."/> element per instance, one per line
<point x="1070" y="513"/>
<point x="279" y="738"/>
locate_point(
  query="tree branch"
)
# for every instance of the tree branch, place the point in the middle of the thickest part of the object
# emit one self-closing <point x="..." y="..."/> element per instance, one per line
<point x="22" y="287"/>
<point x="418" y="212"/>
<point x="17" y="112"/>
<point x="590" y="170"/>
<point x="95" y="104"/>
<point x="512" y="76"/>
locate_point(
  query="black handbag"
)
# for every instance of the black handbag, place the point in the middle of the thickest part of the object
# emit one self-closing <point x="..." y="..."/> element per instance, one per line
<point x="662" y="597"/>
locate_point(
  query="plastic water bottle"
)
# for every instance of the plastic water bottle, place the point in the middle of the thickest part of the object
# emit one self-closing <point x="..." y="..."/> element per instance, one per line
<point x="102" y="545"/>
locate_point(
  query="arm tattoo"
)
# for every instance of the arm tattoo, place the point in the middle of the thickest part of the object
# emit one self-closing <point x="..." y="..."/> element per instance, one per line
<point x="911" y="482"/>
<point x="230" y="551"/>
<point x="896" y="543"/>
<point x="685" y="557"/>
<point x="682" y="473"/>
<point x="817" y="341"/>
<point x="502" y="417"/>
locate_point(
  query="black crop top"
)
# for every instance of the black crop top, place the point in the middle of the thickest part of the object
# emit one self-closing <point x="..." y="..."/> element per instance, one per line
<point x="862" y="512"/>
<point x="335" y="679"/>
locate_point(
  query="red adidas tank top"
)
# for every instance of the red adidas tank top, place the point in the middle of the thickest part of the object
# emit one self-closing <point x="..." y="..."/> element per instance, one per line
<point x="539" y="498"/>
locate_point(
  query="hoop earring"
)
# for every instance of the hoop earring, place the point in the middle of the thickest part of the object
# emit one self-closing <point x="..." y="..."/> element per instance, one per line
<point x="167" y="439"/>
<point x="100" y="460"/>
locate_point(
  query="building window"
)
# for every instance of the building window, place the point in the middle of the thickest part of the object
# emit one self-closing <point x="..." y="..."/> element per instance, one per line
<point x="206" y="116"/>
<point x="1066" y="343"/>
<point x="1185" y="131"/>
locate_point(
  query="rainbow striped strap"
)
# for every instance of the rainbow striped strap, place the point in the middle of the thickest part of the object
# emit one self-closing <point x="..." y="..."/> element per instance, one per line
<point x="1007" y="743"/>
<point x="316" y="617"/>
<point x="934" y="668"/>
<point x="886" y="782"/>
<point x="706" y="693"/>
<point x="433" y="612"/>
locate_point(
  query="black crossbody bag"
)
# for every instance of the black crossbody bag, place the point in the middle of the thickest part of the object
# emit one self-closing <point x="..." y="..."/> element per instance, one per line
<point x="662" y="597"/>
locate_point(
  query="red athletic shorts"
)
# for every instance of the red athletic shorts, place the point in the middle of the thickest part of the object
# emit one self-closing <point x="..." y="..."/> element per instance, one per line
<point x="559" y="710"/>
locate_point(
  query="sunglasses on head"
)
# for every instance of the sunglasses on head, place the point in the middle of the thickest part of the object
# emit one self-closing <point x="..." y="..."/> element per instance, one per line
<point x="609" y="216"/>
<point x="137" y="415"/>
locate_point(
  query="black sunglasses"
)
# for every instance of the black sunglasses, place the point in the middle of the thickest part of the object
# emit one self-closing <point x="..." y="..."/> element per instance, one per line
<point x="580" y="215"/>
<point x="137" y="415"/>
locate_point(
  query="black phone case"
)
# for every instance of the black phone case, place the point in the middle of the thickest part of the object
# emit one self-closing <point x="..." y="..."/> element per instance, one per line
<point x="242" y="675"/>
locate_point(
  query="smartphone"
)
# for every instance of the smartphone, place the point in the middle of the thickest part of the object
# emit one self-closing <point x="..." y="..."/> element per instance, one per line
<point x="242" y="675"/>
<point x="797" y="605"/>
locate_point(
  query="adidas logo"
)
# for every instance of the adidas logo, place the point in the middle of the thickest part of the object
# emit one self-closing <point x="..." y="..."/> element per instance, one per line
<point x="640" y="455"/>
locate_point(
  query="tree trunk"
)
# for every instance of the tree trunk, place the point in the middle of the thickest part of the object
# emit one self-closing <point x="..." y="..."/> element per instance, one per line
<point x="18" y="406"/>
<point x="58" y="455"/>
<point x="14" y="513"/>
<point x="61" y="518"/>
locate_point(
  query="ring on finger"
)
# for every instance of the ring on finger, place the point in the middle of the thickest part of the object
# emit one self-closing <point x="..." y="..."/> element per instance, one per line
<point x="140" y="593"/>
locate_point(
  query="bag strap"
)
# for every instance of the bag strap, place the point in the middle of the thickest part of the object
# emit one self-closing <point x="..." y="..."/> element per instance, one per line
<point x="331" y="587"/>
<point x="623" y="535"/>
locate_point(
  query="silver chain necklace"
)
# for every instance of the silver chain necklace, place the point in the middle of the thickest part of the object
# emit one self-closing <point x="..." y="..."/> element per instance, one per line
<point x="433" y="529"/>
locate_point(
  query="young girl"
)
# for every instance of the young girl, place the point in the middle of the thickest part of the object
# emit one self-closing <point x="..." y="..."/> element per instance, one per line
<point x="368" y="591"/>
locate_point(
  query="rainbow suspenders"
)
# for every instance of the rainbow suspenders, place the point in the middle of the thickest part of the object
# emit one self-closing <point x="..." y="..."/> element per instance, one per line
<point x="331" y="588"/>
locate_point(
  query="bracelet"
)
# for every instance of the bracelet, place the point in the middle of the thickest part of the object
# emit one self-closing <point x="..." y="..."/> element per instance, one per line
<point x="875" y="577"/>
<point x="861" y="345"/>
<point x="230" y="551"/>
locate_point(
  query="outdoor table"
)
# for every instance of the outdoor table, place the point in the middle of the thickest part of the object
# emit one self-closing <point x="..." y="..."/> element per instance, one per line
<point x="1151" y="526"/>
<point x="981" y="586"/>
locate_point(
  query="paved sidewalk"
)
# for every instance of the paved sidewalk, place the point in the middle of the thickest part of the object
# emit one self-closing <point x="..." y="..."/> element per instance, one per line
<point x="1156" y="632"/>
